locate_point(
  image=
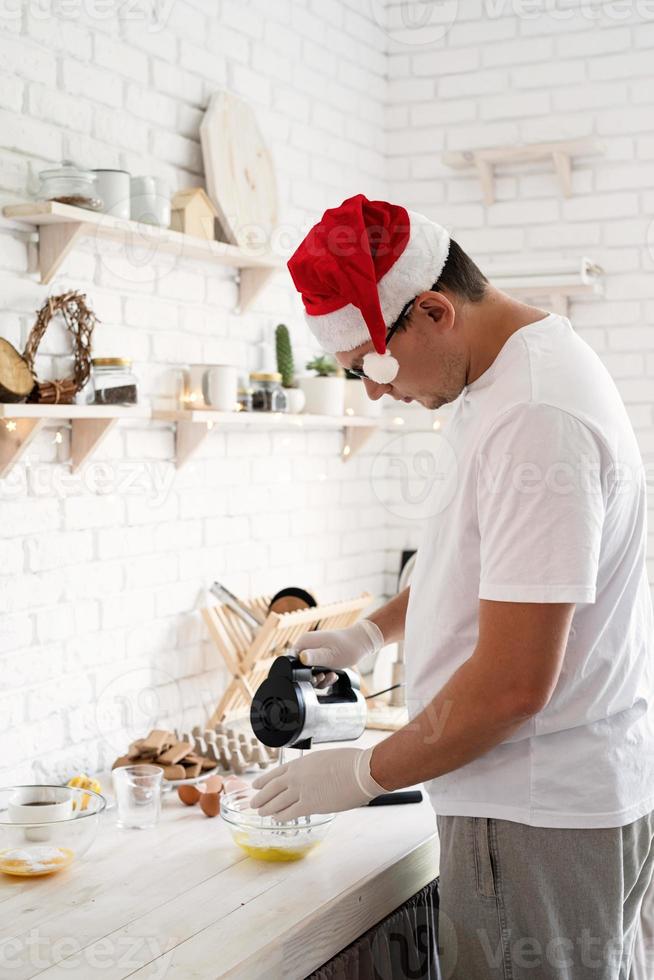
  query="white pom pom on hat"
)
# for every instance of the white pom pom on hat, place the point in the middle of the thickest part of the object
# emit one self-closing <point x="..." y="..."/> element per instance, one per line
<point x="380" y="368"/>
<point x="356" y="270"/>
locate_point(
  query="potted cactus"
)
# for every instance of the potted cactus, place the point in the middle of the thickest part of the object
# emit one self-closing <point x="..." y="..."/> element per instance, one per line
<point x="286" y="367"/>
<point x="325" y="391"/>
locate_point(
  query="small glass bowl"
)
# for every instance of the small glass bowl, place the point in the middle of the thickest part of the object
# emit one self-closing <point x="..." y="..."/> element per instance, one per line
<point x="29" y="848"/>
<point x="267" y="838"/>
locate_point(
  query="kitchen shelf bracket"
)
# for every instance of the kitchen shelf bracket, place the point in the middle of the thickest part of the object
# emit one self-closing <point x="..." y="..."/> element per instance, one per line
<point x="15" y="437"/>
<point x="55" y="242"/>
<point x="354" y="439"/>
<point x="189" y="436"/>
<point x="86" y="437"/>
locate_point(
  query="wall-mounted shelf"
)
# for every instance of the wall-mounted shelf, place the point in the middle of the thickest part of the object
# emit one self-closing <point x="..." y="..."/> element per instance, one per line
<point x="62" y="226"/>
<point x="194" y="425"/>
<point x="484" y="160"/>
<point x="90" y="424"/>
<point x="554" y="283"/>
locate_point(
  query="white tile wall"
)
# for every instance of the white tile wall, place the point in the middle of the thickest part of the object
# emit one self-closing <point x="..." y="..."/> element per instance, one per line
<point x="102" y="573"/>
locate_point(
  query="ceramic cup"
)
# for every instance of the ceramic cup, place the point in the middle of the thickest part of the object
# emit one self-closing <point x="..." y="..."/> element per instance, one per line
<point x="221" y="387"/>
<point x="113" y="187"/>
<point x="150" y="201"/>
<point x="40" y="805"/>
<point x="194" y="386"/>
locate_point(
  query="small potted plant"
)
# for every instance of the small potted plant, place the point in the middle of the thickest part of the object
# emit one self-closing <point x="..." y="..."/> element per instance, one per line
<point x="286" y="367"/>
<point x="325" y="392"/>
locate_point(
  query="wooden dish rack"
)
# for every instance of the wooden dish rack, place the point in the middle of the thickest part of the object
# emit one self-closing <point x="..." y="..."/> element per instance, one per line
<point x="248" y="658"/>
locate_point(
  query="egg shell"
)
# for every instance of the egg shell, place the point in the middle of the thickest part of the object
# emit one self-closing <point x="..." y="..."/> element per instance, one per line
<point x="214" y="784"/>
<point x="210" y="803"/>
<point x="188" y="794"/>
<point x="232" y="783"/>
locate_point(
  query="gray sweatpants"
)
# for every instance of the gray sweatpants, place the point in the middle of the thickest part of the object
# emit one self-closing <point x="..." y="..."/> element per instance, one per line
<point x="534" y="903"/>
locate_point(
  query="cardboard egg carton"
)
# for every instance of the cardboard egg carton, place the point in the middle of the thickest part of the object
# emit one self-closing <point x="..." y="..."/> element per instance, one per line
<point x="235" y="751"/>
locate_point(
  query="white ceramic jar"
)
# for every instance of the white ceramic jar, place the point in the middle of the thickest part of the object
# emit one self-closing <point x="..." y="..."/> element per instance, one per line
<point x="113" y="188"/>
<point x="221" y="387"/>
<point x="150" y="201"/>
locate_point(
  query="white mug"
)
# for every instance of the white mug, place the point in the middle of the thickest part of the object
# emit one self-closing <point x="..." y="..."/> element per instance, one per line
<point x="40" y="805"/>
<point x="221" y="387"/>
<point x="150" y="201"/>
<point x="194" y="386"/>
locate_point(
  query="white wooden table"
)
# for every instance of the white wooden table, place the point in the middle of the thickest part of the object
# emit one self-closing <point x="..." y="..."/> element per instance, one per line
<point x="182" y="901"/>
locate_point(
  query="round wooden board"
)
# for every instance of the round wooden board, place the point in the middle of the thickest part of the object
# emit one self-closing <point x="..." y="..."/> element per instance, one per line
<point x="239" y="171"/>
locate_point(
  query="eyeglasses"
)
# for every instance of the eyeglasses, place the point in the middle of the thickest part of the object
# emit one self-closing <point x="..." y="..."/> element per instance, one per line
<point x="406" y="309"/>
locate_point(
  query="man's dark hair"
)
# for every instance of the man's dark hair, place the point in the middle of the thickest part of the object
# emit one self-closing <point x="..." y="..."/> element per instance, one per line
<point x="460" y="275"/>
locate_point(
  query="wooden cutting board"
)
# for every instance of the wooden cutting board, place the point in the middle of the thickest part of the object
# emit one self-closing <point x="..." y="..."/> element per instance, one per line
<point x="239" y="171"/>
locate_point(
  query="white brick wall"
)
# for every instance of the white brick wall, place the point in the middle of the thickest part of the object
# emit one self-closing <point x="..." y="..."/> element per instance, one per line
<point x="519" y="72"/>
<point x="102" y="574"/>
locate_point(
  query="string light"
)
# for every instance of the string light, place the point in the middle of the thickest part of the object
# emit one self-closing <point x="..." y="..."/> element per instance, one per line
<point x="349" y="411"/>
<point x="58" y="439"/>
<point x="398" y="421"/>
<point x="346" y="451"/>
<point x="437" y="425"/>
<point x="10" y="425"/>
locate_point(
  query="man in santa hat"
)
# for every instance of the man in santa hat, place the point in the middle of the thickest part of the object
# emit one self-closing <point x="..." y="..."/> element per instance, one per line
<point x="528" y="623"/>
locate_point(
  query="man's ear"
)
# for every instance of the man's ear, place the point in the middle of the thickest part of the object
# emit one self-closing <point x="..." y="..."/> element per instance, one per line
<point x="438" y="308"/>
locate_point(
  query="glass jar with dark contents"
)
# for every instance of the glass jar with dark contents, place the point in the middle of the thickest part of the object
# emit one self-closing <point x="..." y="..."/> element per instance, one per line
<point x="112" y="382"/>
<point x="267" y="392"/>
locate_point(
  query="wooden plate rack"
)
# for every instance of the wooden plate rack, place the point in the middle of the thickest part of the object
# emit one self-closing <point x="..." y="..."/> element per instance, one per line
<point x="249" y="657"/>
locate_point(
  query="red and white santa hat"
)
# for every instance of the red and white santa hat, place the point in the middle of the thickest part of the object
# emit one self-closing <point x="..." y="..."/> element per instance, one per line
<point x="356" y="270"/>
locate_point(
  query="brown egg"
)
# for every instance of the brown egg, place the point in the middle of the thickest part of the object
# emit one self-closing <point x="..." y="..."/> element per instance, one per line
<point x="189" y="794"/>
<point x="210" y="803"/>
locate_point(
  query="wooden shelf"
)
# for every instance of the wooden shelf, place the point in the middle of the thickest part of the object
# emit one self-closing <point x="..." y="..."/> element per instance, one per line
<point x="90" y="424"/>
<point x="194" y="425"/>
<point x="484" y="160"/>
<point x="61" y="227"/>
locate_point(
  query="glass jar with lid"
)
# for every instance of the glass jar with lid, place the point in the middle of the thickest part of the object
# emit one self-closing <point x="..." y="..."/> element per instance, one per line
<point x="112" y="382"/>
<point x="267" y="392"/>
<point x="69" y="184"/>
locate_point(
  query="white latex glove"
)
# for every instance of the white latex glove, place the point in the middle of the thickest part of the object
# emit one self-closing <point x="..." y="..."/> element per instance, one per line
<point x="338" y="648"/>
<point x="319" y="782"/>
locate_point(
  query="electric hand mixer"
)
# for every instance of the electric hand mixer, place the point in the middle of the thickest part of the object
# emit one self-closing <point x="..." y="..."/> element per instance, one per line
<point x="288" y="711"/>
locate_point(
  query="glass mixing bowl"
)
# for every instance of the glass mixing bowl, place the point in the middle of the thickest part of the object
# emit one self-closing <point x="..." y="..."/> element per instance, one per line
<point x="43" y="829"/>
<point x="267" y="838"/>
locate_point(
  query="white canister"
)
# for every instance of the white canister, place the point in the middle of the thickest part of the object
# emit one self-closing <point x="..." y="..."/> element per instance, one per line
<point x="150" y="201"/>
<point x="194" y="386"/>
<point x="221" y="387"/>
<point x="113" y="187"/>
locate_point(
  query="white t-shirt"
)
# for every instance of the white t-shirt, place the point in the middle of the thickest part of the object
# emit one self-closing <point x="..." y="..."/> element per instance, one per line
<point x="543" y="499"/>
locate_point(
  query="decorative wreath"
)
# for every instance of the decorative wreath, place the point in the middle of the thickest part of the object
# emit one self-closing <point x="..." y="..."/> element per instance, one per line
<point x="80" y="321"/>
